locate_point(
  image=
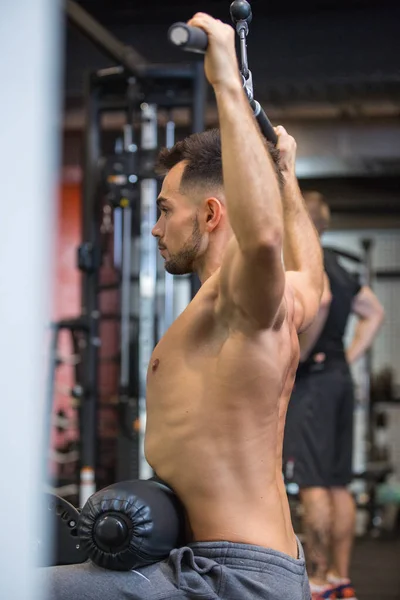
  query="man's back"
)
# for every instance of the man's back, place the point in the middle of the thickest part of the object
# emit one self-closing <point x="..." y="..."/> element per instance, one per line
<point x="213" y="407"/>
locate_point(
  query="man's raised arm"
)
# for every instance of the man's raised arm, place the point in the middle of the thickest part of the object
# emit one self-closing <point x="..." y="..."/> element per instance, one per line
<point x="302" y="249"/>
<point x="252" y="275"/>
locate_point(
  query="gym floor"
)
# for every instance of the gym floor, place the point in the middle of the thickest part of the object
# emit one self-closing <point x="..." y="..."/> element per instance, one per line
<point x="376" y="569"/>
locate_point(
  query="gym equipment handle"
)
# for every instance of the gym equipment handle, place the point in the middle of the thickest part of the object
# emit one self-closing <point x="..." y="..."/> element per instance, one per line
<point x="194" y="39"/>
<point x="264" y="123"/>
<point x="190" y="39"/>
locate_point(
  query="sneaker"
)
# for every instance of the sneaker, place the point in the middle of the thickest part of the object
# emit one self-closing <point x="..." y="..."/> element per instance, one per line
<point x="345" y="590"/>
<point x="323" y="592"/>
<point x="342" y="587"/>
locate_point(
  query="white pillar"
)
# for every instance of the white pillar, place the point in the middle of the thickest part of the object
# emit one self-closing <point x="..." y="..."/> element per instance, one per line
<point x="30" y="47"/>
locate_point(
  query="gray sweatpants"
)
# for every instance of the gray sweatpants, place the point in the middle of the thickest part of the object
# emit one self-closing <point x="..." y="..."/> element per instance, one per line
<point x="207" y="570"/>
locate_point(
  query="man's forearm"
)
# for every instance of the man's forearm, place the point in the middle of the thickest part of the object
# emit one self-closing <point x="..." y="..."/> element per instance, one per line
<point x="364" y="335"/>
<point x="250" y="181"/>
<point x="302" y="248"/>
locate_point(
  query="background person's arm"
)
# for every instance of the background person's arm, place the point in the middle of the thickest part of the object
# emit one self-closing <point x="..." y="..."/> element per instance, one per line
<point x="370" y="313"/>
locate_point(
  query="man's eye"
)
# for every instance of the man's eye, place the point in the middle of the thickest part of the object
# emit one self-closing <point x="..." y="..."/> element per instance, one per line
<point x="164" y="210"/>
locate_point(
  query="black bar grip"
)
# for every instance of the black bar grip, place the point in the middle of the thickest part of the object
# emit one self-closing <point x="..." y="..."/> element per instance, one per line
<point x="264" y="123"/>
<point x="191" y="39"/>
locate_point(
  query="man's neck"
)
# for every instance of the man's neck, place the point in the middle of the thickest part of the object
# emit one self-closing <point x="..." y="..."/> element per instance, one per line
<point x="212" y="260"/>
<point x="207" y="269"/>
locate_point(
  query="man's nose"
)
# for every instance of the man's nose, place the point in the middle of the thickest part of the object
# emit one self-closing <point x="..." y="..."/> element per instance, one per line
<point x="156" y="231"/>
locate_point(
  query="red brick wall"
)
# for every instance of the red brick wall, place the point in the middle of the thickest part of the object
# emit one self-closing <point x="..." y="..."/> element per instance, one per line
<point x="66" y="304"/>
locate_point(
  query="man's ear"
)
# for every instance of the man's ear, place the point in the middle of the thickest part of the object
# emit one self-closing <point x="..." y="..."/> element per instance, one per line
<point x="213" y="213"/>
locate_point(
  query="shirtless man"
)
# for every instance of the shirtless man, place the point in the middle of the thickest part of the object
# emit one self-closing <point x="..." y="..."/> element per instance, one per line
<point x="220" y="380"/>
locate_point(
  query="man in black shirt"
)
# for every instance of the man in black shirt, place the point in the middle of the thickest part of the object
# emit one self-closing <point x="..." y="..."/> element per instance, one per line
<point x="319" y="425"/>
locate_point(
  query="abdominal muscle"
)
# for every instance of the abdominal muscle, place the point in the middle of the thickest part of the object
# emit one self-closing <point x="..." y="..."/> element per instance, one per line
<point x="212" y="435"/>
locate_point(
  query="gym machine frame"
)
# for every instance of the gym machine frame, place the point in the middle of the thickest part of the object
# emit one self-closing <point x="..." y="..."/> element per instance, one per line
<point x="106" y="91"/>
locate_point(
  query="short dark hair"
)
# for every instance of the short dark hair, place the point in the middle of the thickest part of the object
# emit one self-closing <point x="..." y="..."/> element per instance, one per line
<point x="202" y="153"/>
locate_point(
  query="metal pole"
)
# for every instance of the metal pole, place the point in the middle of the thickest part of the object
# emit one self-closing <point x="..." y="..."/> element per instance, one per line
<point x="198" y="125"/>
<point x="125" y="298"/>
<point x="51" y="378"/>
<point x="367" y="245"/>
<point x="148" y="276"/>
<point x="117" y="217"/>
<point x="126" y="269"/>
<point x="90" y="301"/>
<point x="117" y="239"/>
<point x="169" y="279"/>
<point x="29" y="159"/>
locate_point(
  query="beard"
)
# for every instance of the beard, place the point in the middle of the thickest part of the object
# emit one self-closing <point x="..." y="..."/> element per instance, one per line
<point x="182" y="262"/>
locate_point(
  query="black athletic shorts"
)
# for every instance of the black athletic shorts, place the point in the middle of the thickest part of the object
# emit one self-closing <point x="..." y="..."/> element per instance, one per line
<point x="318" y="441"/>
